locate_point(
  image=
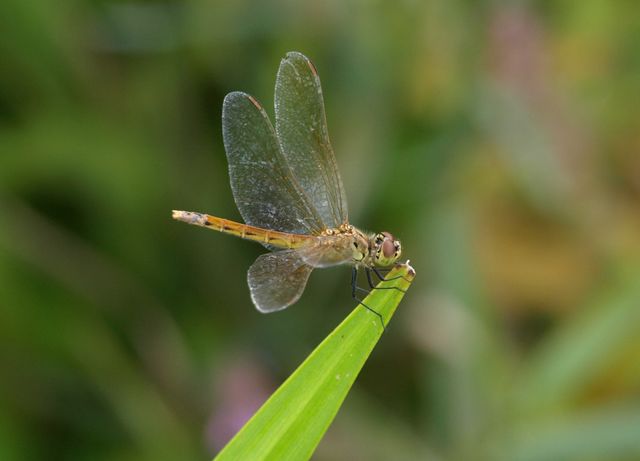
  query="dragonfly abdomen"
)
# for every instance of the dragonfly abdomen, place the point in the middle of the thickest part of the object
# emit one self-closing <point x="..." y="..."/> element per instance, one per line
<point x="245" y="231"/>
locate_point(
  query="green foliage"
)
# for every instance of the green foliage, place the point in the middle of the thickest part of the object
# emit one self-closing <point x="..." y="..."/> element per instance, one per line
<point x="291" y="423"/>
<point x="497" y="140"/>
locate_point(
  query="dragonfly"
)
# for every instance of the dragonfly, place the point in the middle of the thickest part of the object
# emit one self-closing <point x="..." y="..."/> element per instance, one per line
<point x="288" y="190"/>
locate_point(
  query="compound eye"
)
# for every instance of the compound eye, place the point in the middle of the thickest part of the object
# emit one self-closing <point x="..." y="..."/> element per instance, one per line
<point x="388" y="249"/>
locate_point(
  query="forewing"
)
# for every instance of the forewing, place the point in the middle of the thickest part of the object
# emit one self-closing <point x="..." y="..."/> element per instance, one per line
<point x="277" y="280"/>
<point x="263" y="186"/>
<point x="302" y="131"/>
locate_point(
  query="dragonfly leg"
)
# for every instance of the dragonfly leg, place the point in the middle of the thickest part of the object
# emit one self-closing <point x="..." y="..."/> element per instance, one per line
<point x="355" y="288"/>
<point x="382" y="279"/>
<point x="379" y="270"/>
<point x="354" y="283"/>
<point x="369" y="280"/>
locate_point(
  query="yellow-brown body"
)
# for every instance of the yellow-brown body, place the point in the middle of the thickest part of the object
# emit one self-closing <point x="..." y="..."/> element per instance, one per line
<point x="257" y="234"/>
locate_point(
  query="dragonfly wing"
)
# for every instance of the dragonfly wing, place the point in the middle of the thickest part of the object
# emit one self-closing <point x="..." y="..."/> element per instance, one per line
<point x="302" y="131"/>
<point x="263" y="185"/>
<point x="277" y="280"/>
<point x="326" y="251"/>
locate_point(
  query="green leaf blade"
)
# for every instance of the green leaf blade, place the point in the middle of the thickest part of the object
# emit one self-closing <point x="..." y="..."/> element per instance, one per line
<point x="293" y="420"/>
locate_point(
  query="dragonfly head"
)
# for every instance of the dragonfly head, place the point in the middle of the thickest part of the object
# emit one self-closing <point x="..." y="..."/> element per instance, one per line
<point x="385" y="249"/>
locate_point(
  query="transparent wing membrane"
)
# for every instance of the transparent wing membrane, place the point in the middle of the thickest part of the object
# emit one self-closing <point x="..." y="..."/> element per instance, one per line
<point x="326" y="252"/>
<point x="302" y="131"/>
<point x="263" y="186"/>
<point x="277" y="280"/>
<point x="287" y="180"/>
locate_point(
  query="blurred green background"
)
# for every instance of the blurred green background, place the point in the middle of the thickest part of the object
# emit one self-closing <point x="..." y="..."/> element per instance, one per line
<point x="499" y="141"/>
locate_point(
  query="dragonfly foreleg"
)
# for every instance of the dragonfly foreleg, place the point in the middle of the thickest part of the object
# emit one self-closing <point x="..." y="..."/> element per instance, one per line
<point x="382" y="279"/>
<point x="355" y="288"/>
<point x="354" y="284"/>
<point x="369" y="280"/>
<point x="380" y="275"/>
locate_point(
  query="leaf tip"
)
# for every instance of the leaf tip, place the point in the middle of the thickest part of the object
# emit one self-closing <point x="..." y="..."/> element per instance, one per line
<point x="411" y="272"/>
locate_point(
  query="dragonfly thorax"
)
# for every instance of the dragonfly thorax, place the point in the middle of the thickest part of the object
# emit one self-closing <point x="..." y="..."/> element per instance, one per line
<point x="376" y="250"/>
